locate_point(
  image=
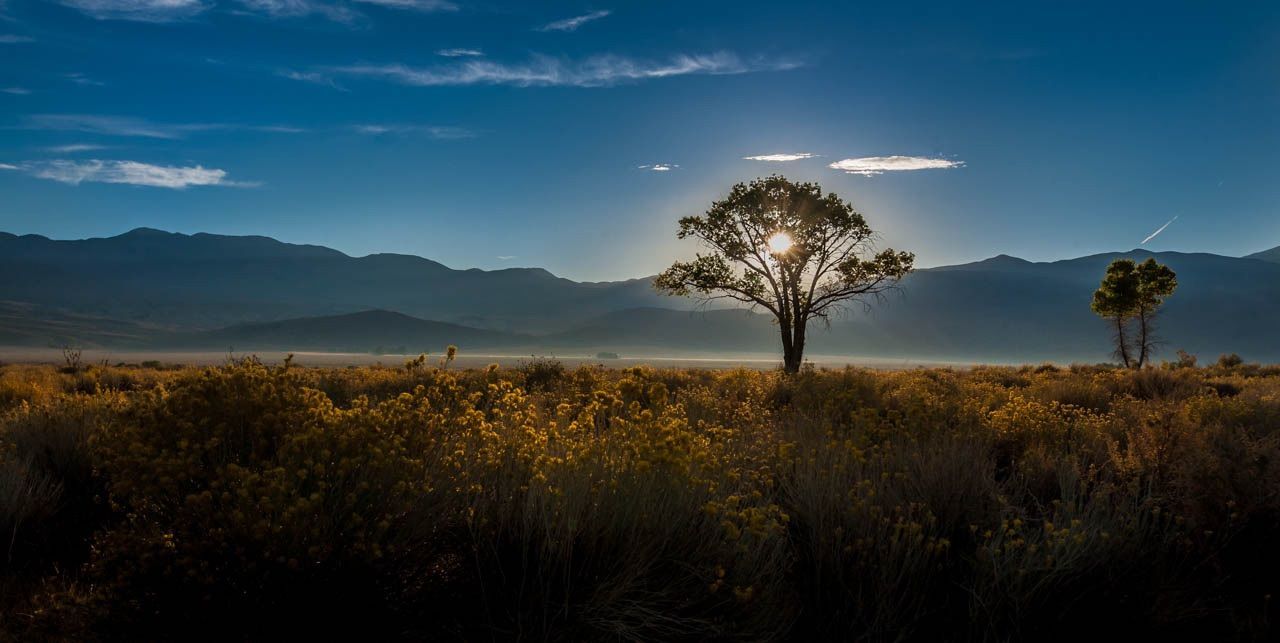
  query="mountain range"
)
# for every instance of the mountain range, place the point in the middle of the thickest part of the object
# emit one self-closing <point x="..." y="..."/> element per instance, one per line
<point x="153" y="289"/>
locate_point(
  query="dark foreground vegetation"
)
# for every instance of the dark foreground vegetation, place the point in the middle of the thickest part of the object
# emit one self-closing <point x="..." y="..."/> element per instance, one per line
<point x="259" y="502"/>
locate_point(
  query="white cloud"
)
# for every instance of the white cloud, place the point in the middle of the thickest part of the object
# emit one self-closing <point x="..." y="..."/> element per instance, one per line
<point x="127" y="172"/>
<point x="658" y="167"/>
<point x="416" y="5"/>
<point x="798" y="156"/>
<point x="75" y="147"/>
<point x="443" y="132"/>
<point x="506" y="257"/>
<point x="301" y="8"/>
<point x="16" y="91"/>
<point x="542" y="71"/>
<point x="139" y="10"/>
<point x="571" y="24"/>
<point x="10" y="39"/>
<point x="459" y="53"/>
<point x="126" y="126"/>
<point x="872" y="165"/>
<point x="1157" y="232"/>
<point x="7" y="166"/>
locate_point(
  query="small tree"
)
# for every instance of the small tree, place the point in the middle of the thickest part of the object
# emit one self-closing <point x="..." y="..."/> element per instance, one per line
<point x="788" y="248"/>
<point x="1132" y="292"/>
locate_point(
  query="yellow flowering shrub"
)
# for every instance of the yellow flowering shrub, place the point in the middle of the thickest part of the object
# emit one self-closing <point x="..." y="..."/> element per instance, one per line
<point x="425" y="502"/>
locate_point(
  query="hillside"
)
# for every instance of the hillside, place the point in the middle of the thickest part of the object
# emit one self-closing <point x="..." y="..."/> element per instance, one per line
<point x="363" y="332"/>
<point x="209" y="292"/>
<point x="209" y="281"/>
<point x="1272" y="255"/>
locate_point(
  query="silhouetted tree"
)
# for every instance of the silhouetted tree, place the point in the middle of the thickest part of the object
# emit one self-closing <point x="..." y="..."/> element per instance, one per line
<point x="1132" y="292"/>
<point x="788" y="248"/>
<point x="1114" y="300"/>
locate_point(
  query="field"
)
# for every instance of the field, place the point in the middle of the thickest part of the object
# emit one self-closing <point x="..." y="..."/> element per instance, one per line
<point x="539" y="502"/>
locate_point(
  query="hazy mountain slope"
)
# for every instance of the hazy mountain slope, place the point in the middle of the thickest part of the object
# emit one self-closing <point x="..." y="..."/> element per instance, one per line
<point x="211" y="280"/>
<point x="1003" y="308"/>
<point x="1272" y="255"/>
<point x="368" y="331"/>
<point x="23" y="324"/>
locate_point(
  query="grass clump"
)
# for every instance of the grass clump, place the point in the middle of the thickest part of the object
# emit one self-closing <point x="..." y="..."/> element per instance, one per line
<point x="254" y="501"/>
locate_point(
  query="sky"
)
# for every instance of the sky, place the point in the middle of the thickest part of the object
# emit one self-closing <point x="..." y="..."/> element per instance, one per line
<point x="573" y="135"/>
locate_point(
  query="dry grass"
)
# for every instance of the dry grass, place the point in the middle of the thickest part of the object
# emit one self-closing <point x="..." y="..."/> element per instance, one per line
<point x="544" y="503"/>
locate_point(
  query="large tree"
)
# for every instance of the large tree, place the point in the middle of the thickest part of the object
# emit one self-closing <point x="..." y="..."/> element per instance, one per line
<point x="788" y="248"/>
<point x="1133" y="293"/>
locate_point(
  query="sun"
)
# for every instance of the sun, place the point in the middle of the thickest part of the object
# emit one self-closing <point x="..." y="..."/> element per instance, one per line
<point x="779" y="243"/>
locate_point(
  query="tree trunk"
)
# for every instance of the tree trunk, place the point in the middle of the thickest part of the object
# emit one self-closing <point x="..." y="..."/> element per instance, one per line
<point x="1122" y="344"/>
<point x="1143" y="343"/>
<point x="793" y="347"/>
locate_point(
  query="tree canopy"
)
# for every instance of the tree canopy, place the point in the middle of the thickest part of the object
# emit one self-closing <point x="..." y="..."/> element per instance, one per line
<point x="1132" y="292"/>
<point x="788" y="248"/>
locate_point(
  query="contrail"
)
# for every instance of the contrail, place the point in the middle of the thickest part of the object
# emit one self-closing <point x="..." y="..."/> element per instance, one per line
<point x="1153" y="234"/>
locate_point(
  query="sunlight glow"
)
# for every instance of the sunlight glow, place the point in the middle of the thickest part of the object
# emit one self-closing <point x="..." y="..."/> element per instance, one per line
<point x="779" y="243"/>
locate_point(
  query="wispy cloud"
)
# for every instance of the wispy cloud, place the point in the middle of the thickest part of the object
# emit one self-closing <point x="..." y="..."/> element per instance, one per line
<point x="1157" y="232"/>
<point x="126" y="126"/>
<point x="108" y="125"/>
<point x="139" y="10"/>
<point x="506" y="257"/>
<point x="80" y="79"/>
<point x="442" y="132"/>
<point x="658" y="167"/>
<point x="128" y="173"/>
<point x="314" y="77"/>
<point x="459" y="53"/>
<point x="74" y="148"/>
<point x="571" y="24"/>
<point x="16" y="91"/>
<point x="8" y="166"/>
<point x="873" y="165"/>
<point x="425" y="6"/>
<point x="542" y="71"/>
<point x="301" y="8"/>
<point x="798" y="156"/>
<point x="11" y="39"/>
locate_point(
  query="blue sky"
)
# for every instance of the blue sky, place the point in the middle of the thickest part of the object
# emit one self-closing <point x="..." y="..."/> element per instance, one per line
<point x="573" y="135"/>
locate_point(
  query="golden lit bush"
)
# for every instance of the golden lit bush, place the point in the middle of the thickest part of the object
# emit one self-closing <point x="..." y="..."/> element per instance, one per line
<point x="256" y="501"/>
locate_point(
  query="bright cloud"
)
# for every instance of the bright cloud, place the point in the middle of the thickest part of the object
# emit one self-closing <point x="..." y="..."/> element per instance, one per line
<point x="139" y="10"/>
<point x="873" y="165"/>
<point x="542" y="71"/>
<point x="1157" y="232"/>
<point x="127" y="172"/>
<point x="658" y="167"/>
<point x="7" y="166"/>
<point x="571" y="24"/>
<point x="459" y="53"/>
<point x="798" y="156"/>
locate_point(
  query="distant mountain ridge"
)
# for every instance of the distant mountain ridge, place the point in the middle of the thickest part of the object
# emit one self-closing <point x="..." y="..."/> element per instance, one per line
<point x="1272" y="255"/>
<point x="149" y="287"/>
<point x="209" y="281"/>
